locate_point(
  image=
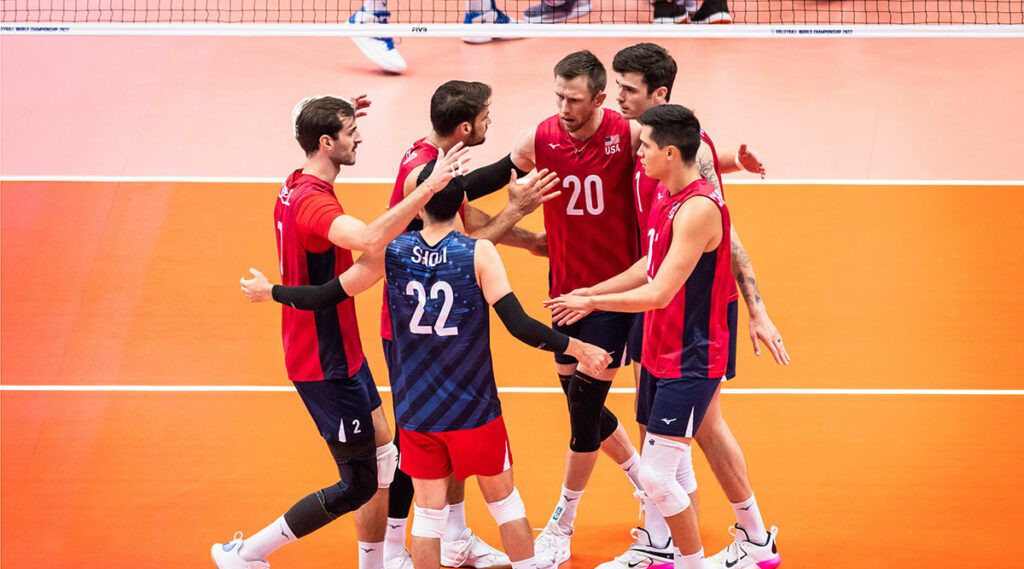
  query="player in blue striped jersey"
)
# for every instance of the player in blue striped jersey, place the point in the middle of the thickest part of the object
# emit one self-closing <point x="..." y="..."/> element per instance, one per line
<point x="440" y="284"/>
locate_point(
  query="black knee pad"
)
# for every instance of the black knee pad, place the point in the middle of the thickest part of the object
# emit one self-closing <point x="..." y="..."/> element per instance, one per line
<point x="357" y="467"/>
<point x="609" y="422"/>
<point x="564" y="380"/>
<point x="357" y="486"/>
<point x="586" y="402"/>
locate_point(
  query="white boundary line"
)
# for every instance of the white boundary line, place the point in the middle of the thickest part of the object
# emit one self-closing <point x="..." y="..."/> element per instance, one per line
<point x="513" y="31"/>
<point x="390" y="181"/>
<point x="530" y="390"/>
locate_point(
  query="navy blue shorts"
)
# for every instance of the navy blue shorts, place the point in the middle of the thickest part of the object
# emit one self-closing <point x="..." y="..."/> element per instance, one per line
<point x="607" y="330"/>
<point x="636" y="339"/>
<point x="342" y="408"/>
<point x="673" y="407"/>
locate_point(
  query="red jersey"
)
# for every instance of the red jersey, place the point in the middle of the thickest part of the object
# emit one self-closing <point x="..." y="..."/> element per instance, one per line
<point x="646" y="190"/>
<point x="591" y="228"/>
<point x="689" y="338"/>
<point x="321" y="344"/>
<point x="418" y="154"/>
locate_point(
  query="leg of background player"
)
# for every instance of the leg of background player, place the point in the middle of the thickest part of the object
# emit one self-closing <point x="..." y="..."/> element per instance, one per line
<point x="555" y="11"/>
<point x="381" y="51"/>
<point x="484" y="12"/>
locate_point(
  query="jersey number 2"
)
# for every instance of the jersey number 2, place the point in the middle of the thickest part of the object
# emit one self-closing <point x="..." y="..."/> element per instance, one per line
<point x="415" y="288"/>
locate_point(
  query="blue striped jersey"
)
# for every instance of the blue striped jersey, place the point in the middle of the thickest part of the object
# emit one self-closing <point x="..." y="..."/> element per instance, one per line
<point x="441" y="326"/>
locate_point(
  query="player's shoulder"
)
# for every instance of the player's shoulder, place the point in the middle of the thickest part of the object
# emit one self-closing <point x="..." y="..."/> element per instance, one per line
<point x="482" y="247"/>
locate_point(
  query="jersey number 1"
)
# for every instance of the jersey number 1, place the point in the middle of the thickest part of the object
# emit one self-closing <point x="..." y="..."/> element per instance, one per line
<point x="415" y="288"/>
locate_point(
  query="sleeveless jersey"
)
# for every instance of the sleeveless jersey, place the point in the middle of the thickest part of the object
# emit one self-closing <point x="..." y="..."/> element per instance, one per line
<point x="441" y="324"/>
<point x="646" y="190"/>
<point x="321" y="344"/>
<point x="591" y="226"/>
<point x="689" y="338"/>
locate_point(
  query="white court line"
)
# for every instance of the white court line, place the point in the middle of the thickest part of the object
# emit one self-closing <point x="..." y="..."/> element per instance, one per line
<point x="533" y="390"/>
<point x="389" y="181"/>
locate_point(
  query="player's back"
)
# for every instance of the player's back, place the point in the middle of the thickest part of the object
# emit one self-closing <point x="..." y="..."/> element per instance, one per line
<point x="592" y="226"/>
<point x="441" y="326"/>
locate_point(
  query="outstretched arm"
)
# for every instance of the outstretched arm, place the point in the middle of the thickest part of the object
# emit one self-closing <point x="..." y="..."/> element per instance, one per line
<point x="694" y="228"/>
<point x="522" y="200"/>
<point x="362" y="275"/>
<point x="348" y="232"/>
<point x="493" y="279"/>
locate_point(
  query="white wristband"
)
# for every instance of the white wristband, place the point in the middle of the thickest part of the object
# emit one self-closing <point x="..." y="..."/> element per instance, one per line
<point x="739" y="164"/>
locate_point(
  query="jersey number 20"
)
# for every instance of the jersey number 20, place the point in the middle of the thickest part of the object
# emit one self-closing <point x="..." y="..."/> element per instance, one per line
<point x="593" y="195"/>
<point x="415" y="288"/>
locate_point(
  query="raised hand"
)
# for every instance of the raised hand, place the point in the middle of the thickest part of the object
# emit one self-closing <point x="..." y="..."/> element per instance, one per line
<point x="529" y="196"/>
<point x="448" y="165"/>
<point x="749" y="161"/>
<point x="360" y="103"/>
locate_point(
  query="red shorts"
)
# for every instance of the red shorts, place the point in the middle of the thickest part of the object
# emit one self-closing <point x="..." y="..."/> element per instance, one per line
<point x="483" y="451"/>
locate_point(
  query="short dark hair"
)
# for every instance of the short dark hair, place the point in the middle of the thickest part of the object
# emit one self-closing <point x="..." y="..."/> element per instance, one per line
<point x="446" y="203"/>
<point x="318" y="116"/>
<point x="457" y="102"/>
<point x="674" y="125"/>
<point x="583" y="64"/>
<point x="652" y="61"/>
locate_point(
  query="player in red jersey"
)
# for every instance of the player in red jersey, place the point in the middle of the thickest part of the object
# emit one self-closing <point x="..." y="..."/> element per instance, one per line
<point x="688" y="333"/>
<point x="459" y="113"/>
<point x="323" y="354"/>
<point x="645" y="74"/>
<point x="592" y="235"/>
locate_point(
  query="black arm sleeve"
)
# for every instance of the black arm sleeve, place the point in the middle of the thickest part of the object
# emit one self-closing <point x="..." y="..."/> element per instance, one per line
<point x="310" y="297"/>
<point x="526" y="329"/>
<point x="491" y="178"/>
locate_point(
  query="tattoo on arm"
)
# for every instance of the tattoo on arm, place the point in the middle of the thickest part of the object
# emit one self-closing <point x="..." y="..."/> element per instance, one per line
<point x="744" y="272"/>
<point x="706" y="164"/>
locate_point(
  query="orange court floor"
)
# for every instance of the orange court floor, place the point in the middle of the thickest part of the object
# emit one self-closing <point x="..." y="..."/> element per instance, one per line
<point x="137" y="182"/>
<point x="141" y="290"/>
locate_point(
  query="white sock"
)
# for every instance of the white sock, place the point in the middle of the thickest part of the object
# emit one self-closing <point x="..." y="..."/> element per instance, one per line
<point x="371" y="555"/>
<point x="530" y="563"/>
<point x="565" y="512"/>
<point x="456" y="522"/>
<point x="655" y="524"/>
<point x="375" y="5"/>
<point x="692" y="561"/>
<point x="632" y="469"/>
<point x="479" y="5"/>
<point x="267" y="540"/>
<point x="394" y="538"/>
<point x="690" y="5"/>
<point x="748" y="516"/>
